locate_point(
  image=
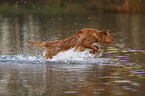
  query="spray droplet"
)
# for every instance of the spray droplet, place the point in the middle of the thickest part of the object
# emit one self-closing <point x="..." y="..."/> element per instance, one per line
<point x="75" y="23"/>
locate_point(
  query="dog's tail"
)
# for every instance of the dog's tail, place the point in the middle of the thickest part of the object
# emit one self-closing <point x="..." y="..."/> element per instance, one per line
<point x="38" y="44"/>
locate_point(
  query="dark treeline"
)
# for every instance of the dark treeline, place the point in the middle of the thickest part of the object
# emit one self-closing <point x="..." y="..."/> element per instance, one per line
<point x="106" y="5"/>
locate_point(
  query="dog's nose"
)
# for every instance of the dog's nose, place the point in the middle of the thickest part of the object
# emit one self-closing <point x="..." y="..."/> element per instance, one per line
<point x="113" y="40"/>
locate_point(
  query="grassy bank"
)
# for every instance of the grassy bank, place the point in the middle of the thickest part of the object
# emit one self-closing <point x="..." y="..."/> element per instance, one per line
<point x="36" y="9"/>
<point x="14" y="7"/>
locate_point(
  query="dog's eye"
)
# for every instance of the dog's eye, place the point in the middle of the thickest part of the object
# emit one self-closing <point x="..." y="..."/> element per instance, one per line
<point x="108" y="36"/>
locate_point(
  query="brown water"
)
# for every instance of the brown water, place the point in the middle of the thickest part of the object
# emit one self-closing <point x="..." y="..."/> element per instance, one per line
<point x="118" y="71"/>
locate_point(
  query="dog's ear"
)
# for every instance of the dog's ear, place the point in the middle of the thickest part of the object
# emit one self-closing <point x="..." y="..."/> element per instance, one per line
<point x="104" y="32"/>
<point x="107" y="30"/>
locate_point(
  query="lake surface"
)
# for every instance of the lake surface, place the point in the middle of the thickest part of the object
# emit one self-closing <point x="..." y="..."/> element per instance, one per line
<point x="117" y="70"/>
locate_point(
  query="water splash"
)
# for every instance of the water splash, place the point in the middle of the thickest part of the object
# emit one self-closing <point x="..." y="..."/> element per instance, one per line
<point x="70" y="56"/>
<point x="71" y="53"/>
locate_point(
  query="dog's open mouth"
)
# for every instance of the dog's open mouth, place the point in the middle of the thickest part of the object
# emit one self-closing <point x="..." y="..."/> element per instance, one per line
<point x="111" y="41"/>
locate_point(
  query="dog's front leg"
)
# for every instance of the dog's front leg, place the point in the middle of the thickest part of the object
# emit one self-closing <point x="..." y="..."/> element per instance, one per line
<point x="88" y="45"/>
<point x="97" y="49"/>
<point x="94" y="51"/>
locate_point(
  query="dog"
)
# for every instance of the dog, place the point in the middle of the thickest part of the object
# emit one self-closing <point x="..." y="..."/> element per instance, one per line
<point x="80" y="40"/>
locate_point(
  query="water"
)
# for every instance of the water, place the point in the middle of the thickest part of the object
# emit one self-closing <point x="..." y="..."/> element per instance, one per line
<point x="117" y="70"/>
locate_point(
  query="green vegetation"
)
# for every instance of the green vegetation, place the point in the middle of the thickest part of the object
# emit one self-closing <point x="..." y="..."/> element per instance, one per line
<point x="56" y="6"/>
<point x="35" y="9"/>
<point x="6" y="9"/>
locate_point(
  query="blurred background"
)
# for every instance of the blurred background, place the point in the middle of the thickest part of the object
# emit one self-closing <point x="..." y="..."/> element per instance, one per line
<point x="47" y="6"/>
<point x="118" y="71"/>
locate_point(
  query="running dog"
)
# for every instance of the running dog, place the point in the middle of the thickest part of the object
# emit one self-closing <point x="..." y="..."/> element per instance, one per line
<point x="80" y="40"/>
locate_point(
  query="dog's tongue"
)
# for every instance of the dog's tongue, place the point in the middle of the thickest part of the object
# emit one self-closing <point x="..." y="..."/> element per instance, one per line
<point x="71" y="53"/>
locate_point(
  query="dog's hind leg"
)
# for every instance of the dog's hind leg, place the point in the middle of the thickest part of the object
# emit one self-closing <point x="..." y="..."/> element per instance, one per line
<point x="80" y="48"/>
<point x="49" y="52"/>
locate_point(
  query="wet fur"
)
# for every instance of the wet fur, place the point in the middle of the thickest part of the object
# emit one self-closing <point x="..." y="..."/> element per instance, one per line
<point x="80" y="40"/>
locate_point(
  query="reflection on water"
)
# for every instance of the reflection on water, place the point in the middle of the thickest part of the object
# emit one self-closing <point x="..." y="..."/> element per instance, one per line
<point x="120" y="71"/>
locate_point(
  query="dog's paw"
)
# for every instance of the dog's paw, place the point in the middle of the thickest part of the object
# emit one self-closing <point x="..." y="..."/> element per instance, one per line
<point x="94" y="51"/>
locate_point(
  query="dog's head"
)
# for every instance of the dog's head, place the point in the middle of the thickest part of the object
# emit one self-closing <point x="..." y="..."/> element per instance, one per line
<point x="104" y="36"/>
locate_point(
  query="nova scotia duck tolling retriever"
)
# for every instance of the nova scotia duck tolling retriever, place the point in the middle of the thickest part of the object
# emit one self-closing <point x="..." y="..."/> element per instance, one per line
<point x="80" y="40"/>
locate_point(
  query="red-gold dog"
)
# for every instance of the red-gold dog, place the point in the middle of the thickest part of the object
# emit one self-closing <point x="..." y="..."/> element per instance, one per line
<point x="80" y="40"/>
